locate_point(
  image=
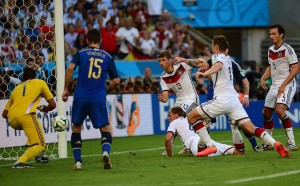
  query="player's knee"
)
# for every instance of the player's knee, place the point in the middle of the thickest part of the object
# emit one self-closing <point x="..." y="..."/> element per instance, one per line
<point x="280" y="111"/>
<point x="267" y="113"/>
<point x="76" y="128"/>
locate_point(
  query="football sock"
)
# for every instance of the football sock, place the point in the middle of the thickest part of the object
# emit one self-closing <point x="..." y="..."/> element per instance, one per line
<point x="264" y="136"/>
<point x="269" y="125"/>
<point x="251" y="139"/>
<point x="31" y="153"/>
<point x="106" y="142"/>
<point x="200" y="129"/>
<point x="76" y="144"/>
<point x="287" y="124"/>
<point x="237" y="138"/>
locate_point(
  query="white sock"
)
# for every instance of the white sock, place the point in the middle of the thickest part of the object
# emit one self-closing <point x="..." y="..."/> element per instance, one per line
<point x="290" y="134"/>
<point x="205" y="136"/>
<point x="236" y="135"/>
<point x="267" y="138"/>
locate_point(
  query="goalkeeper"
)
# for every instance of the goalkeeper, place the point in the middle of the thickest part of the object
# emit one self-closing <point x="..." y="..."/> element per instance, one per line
<point x="20" y="111"/>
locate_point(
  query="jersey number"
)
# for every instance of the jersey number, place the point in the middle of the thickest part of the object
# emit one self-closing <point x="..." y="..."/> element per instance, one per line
<point x="178" y="86"/>
<point x="97" y="72"/>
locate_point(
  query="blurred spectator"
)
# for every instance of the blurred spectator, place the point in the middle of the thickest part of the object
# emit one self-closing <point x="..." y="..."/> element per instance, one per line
<point x="206" y="53"/>
<point x="138" y="86"/>
<point x="71" y="36"/>
<point x="80" y="42"/>
<point x="45" y="29"/>
<point x="8" y="50"/>
<point x="79" y="29"/>
<point x="113" y="11"/>
<point x="70" y="18"/>
<point x="165" y="19"/>
<point x="94" y="10"/>
<point x="162" y="36"/>
<point x="42" y="72"/>
<point x="155" y="9"/>
<point x="30" y="15"/>
<point x="147" y="76"/>
<point x="127" y="36"/>
<point x="32" y="31"/>
<point x="146" y="44"/>
<point x="109" y="39"/>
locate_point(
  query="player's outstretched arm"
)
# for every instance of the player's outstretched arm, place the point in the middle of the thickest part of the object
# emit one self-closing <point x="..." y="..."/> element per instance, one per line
<point x="168" y="143"/>
<point x="215" y="68"/>
<point x="51" y="105"/>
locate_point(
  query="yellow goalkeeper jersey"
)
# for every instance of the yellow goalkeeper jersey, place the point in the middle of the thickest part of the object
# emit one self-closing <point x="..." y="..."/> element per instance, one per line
<point x="26" y="97"/>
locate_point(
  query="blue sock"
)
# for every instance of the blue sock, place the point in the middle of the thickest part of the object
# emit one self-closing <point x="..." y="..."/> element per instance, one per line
<point x="76" y="144"/>
<point x="251" y="139"/>
<point x="106" y="142"/>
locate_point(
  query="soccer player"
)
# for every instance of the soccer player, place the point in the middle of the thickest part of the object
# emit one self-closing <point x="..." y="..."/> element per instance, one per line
<point x="225" y="101"/>
<point x="20" y="111"/>
<point x="177" y="78"/>
<point x="240" y="77"/>
<point x="179" y="126"/>
<point x="90" y="94"/>
<point x="283" y="69"/>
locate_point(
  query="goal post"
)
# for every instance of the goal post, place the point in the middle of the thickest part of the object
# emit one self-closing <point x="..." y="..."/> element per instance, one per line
<point x="60" y="71"/>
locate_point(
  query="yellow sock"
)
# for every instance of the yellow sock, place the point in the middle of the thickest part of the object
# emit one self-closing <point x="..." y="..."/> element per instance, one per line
<point x="31" y="153"/>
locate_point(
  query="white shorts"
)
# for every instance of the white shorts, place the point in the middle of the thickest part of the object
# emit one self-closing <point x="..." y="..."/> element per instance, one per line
<point x="188" y="106"/>
<point x="224" y="104"/>
<point x="286" y="98"/>
<point x="222" y="149"/>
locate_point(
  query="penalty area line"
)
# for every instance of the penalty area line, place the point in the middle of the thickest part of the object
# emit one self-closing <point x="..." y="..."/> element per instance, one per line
<point x="262" y="177"/>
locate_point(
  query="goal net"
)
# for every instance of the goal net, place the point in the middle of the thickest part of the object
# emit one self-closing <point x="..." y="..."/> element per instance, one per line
<point x="29" y="38"/>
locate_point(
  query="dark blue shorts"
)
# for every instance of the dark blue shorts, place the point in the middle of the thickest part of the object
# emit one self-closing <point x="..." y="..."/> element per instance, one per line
<point x="97" y="112"/>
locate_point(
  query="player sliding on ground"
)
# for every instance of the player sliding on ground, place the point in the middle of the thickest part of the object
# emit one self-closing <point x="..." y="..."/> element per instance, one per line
<point x="179" y="126"/>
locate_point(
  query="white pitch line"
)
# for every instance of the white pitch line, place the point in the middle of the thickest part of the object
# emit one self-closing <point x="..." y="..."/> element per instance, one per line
<point x="262" y="177"/>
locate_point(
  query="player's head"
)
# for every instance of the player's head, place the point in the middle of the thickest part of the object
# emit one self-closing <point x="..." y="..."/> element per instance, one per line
<point x="164" y="59"/>
<point x="220" y="44"/>
<point x="276" y="33"/>
<point x="176" y="112"/>
<point x="28" y="73"/>
<point x="93" y="37"/>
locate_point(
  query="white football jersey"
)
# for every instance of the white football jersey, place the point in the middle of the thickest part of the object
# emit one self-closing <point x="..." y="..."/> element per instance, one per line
<point x="181" y="127"/>
<point x="280" y="60"/>
<point x="180" y="81"/>
<point x="223" y="79"/>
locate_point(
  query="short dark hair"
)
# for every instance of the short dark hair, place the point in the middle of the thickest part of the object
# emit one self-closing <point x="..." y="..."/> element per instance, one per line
<point x="279" y="27"/>
<point x="164" y="53"/>
<point x="221" y="41"/>
<point x="28" y="73"/>
<point x="94" y="36"/>
<point x="178" y="110"/>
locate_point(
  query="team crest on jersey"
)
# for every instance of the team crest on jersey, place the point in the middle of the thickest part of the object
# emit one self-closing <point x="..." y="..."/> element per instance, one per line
<point x="276" y="55"/>
<point x="174" y="78"/>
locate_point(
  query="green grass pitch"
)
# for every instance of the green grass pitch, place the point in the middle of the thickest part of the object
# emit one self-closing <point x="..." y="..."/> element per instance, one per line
<point x="138" y="161"/>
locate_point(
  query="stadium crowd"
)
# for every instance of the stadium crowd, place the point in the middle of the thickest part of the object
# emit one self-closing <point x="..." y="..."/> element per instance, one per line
<point x="129" y="31"/>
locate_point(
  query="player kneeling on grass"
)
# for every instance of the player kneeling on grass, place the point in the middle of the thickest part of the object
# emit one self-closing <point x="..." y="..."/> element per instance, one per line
<point x="179" y="125"/>
<point x="20" y="111"/>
